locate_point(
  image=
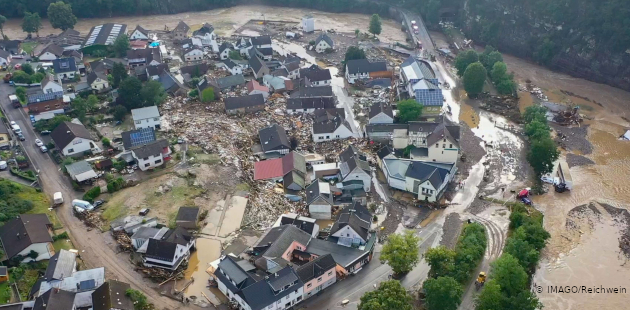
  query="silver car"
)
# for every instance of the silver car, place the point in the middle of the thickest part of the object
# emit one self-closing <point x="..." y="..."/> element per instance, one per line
<point x="43" y="148"/>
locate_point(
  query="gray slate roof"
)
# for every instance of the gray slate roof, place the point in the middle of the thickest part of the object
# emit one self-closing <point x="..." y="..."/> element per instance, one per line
<point x="78" y="167"/>
<point x="311" y="103"/>
<point x="352" y="158"/>
<point x="112" y="295"/>
<point x="312" y="193"/>
<point x="55" y="300"/>
<point x="205" y="29"/>
<point x="342" y="255"/>
<point x="150" y="149"/>
<point x="274" y="138"/>
<point x="316" y="268"/>
<point x="230" y="81"/>
<point x="67" y="131"/>
<point x="325" y="38"/>
<point x="95" y="75"/>
<point x="423" y="171"/>
<point x="376" y="109"/>
<point x="60" y="265"/>
<point x="328" y="120"/>
<point x="306" y="92"/>
<point x="357" y="216"/>
<point x="261" y="40"/>
<point x="365" y="66"/>
<point x="189" y="214"/>
<point x="289" y="234"/>
<point x="181" y="26"/>
<point x="64" y="65"/>
<point x="32" y="228"/>
<point x="315" y="73"/>
<point x="234" y="103"/>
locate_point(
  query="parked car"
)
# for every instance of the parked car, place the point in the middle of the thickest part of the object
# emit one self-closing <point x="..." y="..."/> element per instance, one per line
<point x="57" y="198"/>
<point x="45" y="132"/>
<point x="13" y="123"/>
<point x="39" y="142"/>
<point x="144" y="211"/>
<point x="526" y="201"/>
<point x="43" y="149"/>
<point x="21" y="136"/>
<point x="3" y="165"/>
<point x="97" y="204"/>
<point x="547" y="178"/>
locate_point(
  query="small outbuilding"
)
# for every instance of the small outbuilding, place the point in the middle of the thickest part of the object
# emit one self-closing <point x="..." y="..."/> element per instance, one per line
<point x="187" y="217"/>
<point x="81" y="171"/>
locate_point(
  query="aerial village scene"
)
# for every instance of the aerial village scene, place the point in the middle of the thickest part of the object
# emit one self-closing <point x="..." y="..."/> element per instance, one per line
<point x="313" y="155"/>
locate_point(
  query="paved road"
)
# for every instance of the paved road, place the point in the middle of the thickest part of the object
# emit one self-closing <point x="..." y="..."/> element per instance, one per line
<point x="96" y="249"/>
<point x="353" y="287"/>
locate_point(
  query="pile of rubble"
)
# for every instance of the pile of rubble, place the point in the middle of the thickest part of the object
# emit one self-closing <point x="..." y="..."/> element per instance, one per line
<point x="90" y="219"/>
<point x="123" y="240"/>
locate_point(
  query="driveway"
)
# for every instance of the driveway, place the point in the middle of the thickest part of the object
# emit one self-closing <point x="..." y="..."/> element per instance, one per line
<point x="96" y="249"/>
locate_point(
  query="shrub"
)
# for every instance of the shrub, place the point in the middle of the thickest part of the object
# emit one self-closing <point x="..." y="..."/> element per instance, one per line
<point x="106" y="142"/>
<point x="115" y="185"/>
<point x="61" y="236"/>
<point x="91" y="194"/>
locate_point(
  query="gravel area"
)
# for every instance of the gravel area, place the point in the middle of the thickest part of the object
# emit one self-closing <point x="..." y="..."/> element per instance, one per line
<point x="470" y="148"/>
<point x="622" y="217"/>
<point x="573" y="138"/>
<point x="477" y="206"/>
<point x="578" y="160"/>
<point x="395" y="212"/>
<point x="451" y="229"/>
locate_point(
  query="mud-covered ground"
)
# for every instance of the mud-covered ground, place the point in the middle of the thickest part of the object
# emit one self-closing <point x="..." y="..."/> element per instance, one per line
<point x="451" y="230"/>
<point x="471" y="149"/>
<point x="578" y="160"/>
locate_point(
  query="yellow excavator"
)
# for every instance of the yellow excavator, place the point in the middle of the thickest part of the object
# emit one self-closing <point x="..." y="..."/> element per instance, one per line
<point x="481" y="280"/>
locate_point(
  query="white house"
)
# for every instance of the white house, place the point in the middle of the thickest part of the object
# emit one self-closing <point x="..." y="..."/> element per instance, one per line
<point x="50" y="52"/>
<point x="193" y="54"/>
<point x="261" y="42"/>
<point x="330" y="124"/>
<point x="170" y="250"/>
<point x="319" y="200"/>
<point x="146" y="117"/>
<point x="225" y="49"/>
<point x="65" y="68"/>
<point x="51" y="85"/>
<point x="207" y="36"/>
<point x="73" y="139"/>
<point x="139" y="34"/>
<point x="354" y="166"/>
<point x="98" y="81"/>
<point x="315" y="76"/>
<point x="363" y="69"/>
<point x="381" y="114"/>
<point x="243" y="45"/>
<point x="427" y="180"/>
<point x="26" y="233"/>
<point x="352" y="228"/>
<point x="232" y="67"/>
<point x="253" y="88"/>
<point x="151" y="155"/>
<point x="323" y="43"/>
<point x="277" y="291"/>
<point x="434" y="142"/>
<point x="5" y="58"/>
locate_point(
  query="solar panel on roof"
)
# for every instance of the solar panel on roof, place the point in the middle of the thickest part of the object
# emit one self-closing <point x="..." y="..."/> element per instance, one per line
<point x="142" y="136"/>
<point x="87" y="285"/>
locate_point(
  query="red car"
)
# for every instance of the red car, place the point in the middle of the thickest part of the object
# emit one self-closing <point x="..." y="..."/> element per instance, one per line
<point x="522" y="194"/>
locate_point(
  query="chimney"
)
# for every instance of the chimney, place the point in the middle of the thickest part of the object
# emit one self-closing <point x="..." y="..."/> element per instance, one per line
<point x="78" y="286"/>
<point x="18" y="236"/>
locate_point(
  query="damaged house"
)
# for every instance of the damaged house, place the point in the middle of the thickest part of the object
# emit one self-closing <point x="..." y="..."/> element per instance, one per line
<point x="330" y="124"/>
<point x="354" y="166"/>
<point x="169" y="250"/>
<point x="245" y="104"/>
<point x="319" y="200"/>
<point x="315" y="76"/>
<point x="418" y="81"/>
<point x="427" y="180"/>
<point x="274" y="140"/>
<point x="363" y="69"/>
<point x="309" y="104"/>
<point x="290" y="168"/>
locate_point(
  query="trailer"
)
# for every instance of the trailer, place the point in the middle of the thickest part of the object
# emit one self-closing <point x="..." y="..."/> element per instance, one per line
<point x="564" y="174"/>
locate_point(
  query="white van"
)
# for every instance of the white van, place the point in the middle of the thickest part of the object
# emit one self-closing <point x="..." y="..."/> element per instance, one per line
<point x="3" y="165"/>
<point x="16" y="129"/>
<point x="57" y="198"/>
<point x="82" y="205"/>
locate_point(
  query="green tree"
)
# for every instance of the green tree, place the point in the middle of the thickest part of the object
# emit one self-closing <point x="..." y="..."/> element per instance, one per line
<point x="207" y="95"/>
<point x="20" y="92"/>
<point x="357" y="32"/>
<point x="235" y="55"/>
<point x="401" y="252"/>
<point x="537" y="130"/>
<point x="509" y="275"/>
<point x="490" y="297"/>
<point x="499" y="72"/>
<point x="28" y="68"/>
<point x="375" y="25"/>
<point x="91" y="102"/>
<point x="60" y="15"/>
<point x="389" y="295"/>
<point x="120" y="112"/>
<point x="534" y="234"/>
<point x="119" y="73"/>
<point x="493" y="58"/>
<point x="129" y="92"/>
<point x="2" y="21"/>
<point x="464" y="59"/>
<point x="37" y="77"/>
<point x="535" y="112"/>
<point x="443" y="293"/>
<point x="122" y="45"/>
<point x="79" y="107"/>
<point x="354" y="52"/>
<point x="21" y="77"/>
<point x="52" y="123"/>
<point x="153" y="93"/>
<point x="474" y="79"/>
<point x="193" y="93"/>
<point x="524" y="252"/>
<point x="545" y="51"/>
<point x="31" y="23"/>
<point x="442" y="261"/>
<point x="139" y="300"/>
<point x="409" y="110"/>
<point x="542" y="154"/>
<point x="506" y="86"/>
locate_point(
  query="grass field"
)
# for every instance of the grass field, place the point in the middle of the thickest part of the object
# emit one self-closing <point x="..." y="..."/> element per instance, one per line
<point x="29" y="46"/>
<point x="5" y="293"/>
<point x="41" y="203"/>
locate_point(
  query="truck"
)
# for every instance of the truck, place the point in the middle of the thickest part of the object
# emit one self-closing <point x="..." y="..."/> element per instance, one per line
<point x="7" y="77"/>
<point x="15" y="102"/>
<point x="57" y="199"/>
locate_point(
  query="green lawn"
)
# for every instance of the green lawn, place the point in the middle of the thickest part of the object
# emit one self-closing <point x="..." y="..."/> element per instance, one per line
<point x="41" y="203"/>
<point x="29" y="47"/>
<point x="113" y="211"/>
<point x="5" y="293"/>
<point x="64" y="244"/>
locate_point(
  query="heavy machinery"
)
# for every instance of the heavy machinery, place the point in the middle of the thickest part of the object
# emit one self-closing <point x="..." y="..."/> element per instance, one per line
<point x="481" y="280"/>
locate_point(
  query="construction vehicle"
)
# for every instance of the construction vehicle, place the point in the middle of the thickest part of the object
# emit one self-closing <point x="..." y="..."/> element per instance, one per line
<point x="481" y="280"/>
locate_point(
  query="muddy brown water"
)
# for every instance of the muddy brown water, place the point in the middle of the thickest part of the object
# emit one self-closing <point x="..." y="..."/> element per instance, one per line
<point x="226" y="21"/>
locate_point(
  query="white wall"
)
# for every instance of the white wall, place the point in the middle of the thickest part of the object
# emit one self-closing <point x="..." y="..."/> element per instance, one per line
<point x="41" y="248"/>
<point x="321" y="83"/>
<point x="153" y="122"/>
<point x="77" y="147"/>
<point x="359" y="174"/>
<point x="149" y="162"/>
<point x="47" y="56"/>
<point x="349" y="233"/>
<point x="427" y="191"/>
<point x="256" y="91"/>
<point x="236" y="70"/>
<point x="194" y="55"/>
<point x="180" y="251"/>
<point x="320" y="211"/>
<point x="66" y="75"/>
<point x="137" y="35"/>
<point x="340" y="133"/>
<point x="52" y="87"/>
<point x="225" y="54"/>
<point x="381" y="118"/>
<point x="444" y="152"/>
<point x="99" y="84"/>
<point x="321" y="46"/>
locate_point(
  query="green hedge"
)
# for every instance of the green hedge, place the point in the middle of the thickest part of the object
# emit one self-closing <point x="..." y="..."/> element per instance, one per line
<point x="27" y="175"/>
<point x="115" y="185"/>
<point x="91" y="194"/>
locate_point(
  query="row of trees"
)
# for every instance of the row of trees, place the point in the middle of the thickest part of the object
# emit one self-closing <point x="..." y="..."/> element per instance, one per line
<point x="59" y="14"/>
<point x="508" y="286"/>
<point x="451" y="269"/>
<point x="543" y="150"/>
<point x="475" y="67"/>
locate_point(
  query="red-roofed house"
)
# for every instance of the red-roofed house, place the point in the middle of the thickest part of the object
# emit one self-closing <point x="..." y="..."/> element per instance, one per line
<point x="276" y="169"/>
<point x="254" y="88"/>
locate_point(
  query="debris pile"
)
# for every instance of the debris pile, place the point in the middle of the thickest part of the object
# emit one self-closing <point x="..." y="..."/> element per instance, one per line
<point x="90" y="219"/>
<point x="161" y="275"/>
<point x="123" y="240"/>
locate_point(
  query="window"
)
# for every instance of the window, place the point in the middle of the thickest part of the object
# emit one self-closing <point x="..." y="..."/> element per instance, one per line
<point x="319" y="279"/>
<point x="158" y="161"/>
<point x="146" y="158"/>
<point x="70" y="150"/>
<point x="304" y="110"/>
<point x="330" y="273"/>
<point x="443" y="146"/>
<point x="147" y="164"/>
<point x="450" y="146"/>
<point x="138" y="122"/>
<point x="309" y="285"/>
<point x="1" y="138"/>
<point x="444" y="139"/>
<point x="321" y="137"/>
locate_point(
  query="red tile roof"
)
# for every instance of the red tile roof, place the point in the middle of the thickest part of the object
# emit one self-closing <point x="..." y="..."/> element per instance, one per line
<point x="253" y="85"/>
<point x="268" y="169"/>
